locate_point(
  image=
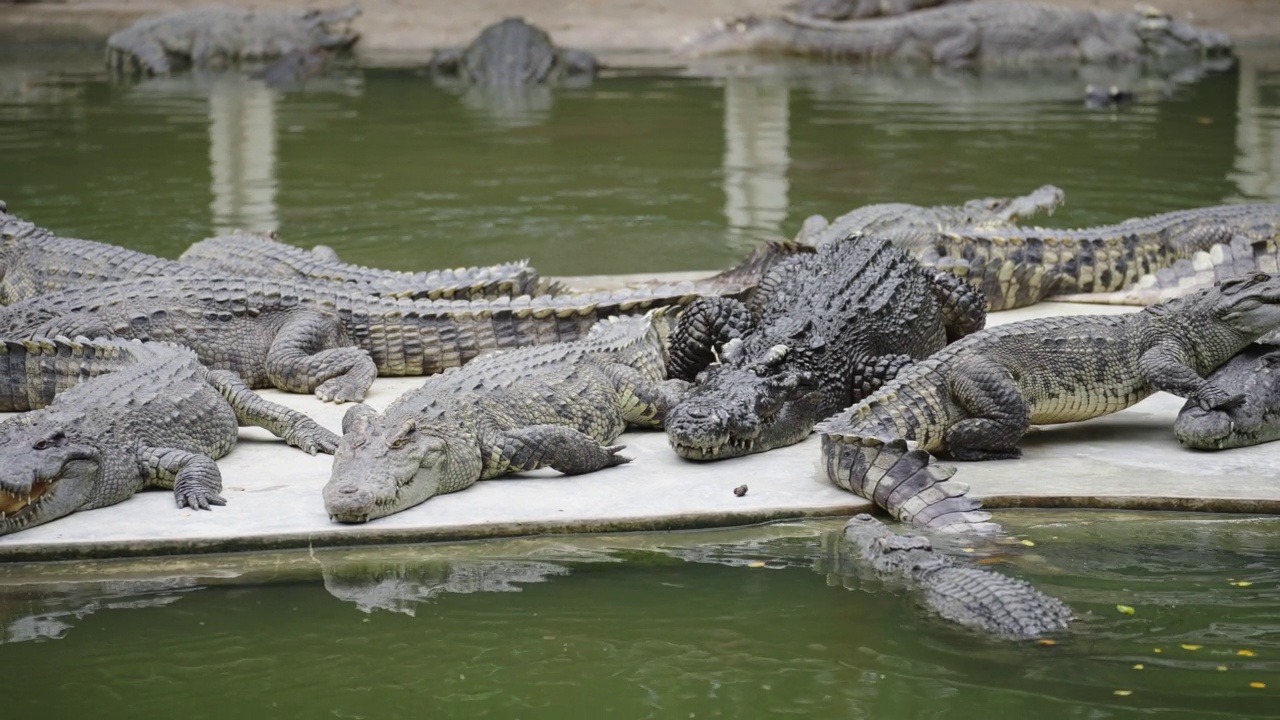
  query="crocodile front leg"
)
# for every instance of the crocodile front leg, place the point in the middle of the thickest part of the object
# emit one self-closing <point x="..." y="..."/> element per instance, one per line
<point x="303" y="359"/>
<point x="998" y="415"/>
<point x="1165" y="367"/>
<point x="644" y="402"/>
<point x="963" y="306"/>
<point x="251" y="408"/>
<point x="194" y="478"/>
<point x="555" y="446"/>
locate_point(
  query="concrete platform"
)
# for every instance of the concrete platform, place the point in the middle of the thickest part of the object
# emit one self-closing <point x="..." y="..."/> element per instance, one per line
<point x="1126" y="460"/>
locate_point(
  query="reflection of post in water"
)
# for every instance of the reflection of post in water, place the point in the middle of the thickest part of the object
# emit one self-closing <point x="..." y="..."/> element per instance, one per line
<point x="242" y="154"/>
<point x="756" y="128"/>
<point x="1257" y="166"/>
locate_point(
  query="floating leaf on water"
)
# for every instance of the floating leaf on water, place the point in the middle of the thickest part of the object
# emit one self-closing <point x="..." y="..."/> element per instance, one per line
<point x="968" y="550"/>
<point x="1139" y="666"/>
<point x="1028" y="543"/>
<point x="1242" y="583"/>
<point x="1122" y="693"/>
<point x="1186" y="646"/>
<point x="1222" y="668"/>
<point x="1047" y="641"/>
<point x="1258" y="685"/>
<point x="1157" y="650"/>
<point x="991" y="561"/>
<point x="1204" y="120"/>
<point x="756" y="563"/>
<point x="1127" y="611"/>
<point x="1246" y="653"/>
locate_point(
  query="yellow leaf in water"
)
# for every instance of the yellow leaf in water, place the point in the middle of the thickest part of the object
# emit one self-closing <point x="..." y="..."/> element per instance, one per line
<point x="1047" y="641"/>
<point x="1242" y="583"/>
<point x="1204" y="120"/>
<point x="1246" y="653"/>
<point x="1122" y="693"/>
<point x="968" y="549"/>
<point x="1126" y="609"/>
<point x="756" y="563"/>
<point x="1185" y="646"/>
<point x="1257" y="684"/>
<point x="991" y="561"/>
<point x="1139" y="666"/>
<point x="1157" y="650"/>
<point x="1222" y="668"/>
<point x="1028" y="543"/>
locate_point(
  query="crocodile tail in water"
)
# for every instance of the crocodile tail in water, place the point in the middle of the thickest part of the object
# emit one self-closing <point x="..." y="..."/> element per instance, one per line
<point x="993" y="602"/>
<point x="904" y="481"/>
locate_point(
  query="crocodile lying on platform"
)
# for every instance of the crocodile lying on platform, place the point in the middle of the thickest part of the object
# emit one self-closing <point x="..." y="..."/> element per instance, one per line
<point x="855" y="9"/>
<point x="512" y="52"/>
<point x="975" y="398"/>
<point x="557" y="406"/>
<point x="983" y="33"/>
<point x="1254" y="376"/>
<point x="242" y="253"/>
<point x="327" y="338"/>
<point x="35" y="261"/>
<point x="211" y="37"/>
<point x="979" y="599"/>
<point x="823" y="331"/>
<point x="1018" y="266"/>
<point x="157" y="419"/>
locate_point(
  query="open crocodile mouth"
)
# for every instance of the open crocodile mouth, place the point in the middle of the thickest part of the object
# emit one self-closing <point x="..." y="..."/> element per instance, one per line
<point x="14" y="502"/>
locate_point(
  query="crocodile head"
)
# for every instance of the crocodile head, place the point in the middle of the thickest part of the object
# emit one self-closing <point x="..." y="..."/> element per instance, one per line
<point x="387" y="464"/>
<point x="739" y="409"/>
<point x="1250" y="304"/>
<point x="44" y="474"/>
<point x="1165" y="37"/>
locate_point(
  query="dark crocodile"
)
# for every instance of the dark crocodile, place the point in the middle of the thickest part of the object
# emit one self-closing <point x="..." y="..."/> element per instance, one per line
<point x="1018" y="266"/>
<point x="110" y="418"/>
<point x="975" y="398"/>
<point x="322" y="337"/>
<point x="979" y="599"/>
<point x="557" y="406"/>
<point x="512" y="52"/>
<point x="212" y="37"/>
<point x="242" y="253"/>
<point x="978" y="33"/>
<point x="1254" y="376"/>
<point x="822" y="331"/>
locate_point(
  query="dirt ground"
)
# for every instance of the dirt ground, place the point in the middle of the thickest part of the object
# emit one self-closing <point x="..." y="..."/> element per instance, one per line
<point x="602" y="25"/>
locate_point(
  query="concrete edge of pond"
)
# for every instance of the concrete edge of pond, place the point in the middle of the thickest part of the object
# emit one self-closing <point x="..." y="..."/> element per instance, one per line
<point x="1129" y="460"/>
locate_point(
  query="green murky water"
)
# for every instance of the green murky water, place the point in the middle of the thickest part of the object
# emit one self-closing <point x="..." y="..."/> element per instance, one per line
<point x="638" y="172"/>
<point x="731" y="624"/>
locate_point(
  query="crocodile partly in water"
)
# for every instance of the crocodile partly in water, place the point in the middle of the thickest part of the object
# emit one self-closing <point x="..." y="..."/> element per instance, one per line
<point x="512" y="52"/>
<point x="109" y="418"/>
<point x="968" y="596"/>
<point x="975" y="398"/>
<point x="977" y="33"/>
<point x="557" y="406"/>
<point x="214" y="37"/>
<point x="822" y="331"/>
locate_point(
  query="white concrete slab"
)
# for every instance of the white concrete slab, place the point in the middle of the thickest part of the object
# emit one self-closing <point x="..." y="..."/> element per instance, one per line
<point x="1127" y="460"/>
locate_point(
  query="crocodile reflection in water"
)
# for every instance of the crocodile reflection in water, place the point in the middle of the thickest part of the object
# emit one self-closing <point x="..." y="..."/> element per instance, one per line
<point x="399" y="587"/>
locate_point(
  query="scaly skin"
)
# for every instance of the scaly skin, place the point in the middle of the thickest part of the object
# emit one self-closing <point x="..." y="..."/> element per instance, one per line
<point x="976" y="398"/>
<point x="242" y="253"/>
<point x="326" y="338"/>
<point x="980" y="599"/>
<point x="510" y="53"/>
<point x="1254" y="375"/>
<point x="211" y="37"/>
<point x="154" y="418"/>
<point x="856" y="9"/>
<point x="1019" y="266"/>
<point x="557" y="406"/>
<point x="822" y="331"/>
<point x="981" y="33"/>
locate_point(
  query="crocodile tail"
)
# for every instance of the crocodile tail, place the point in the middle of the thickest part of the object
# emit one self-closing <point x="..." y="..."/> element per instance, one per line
<point x="701" y="330"/>
<point x="33" y="372"/>
<point x="904" y="481"/>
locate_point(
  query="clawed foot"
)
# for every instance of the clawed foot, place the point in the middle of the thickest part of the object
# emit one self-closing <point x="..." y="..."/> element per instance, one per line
<point x="1215" y="398"/>
<point x="614" y="457"/>
<point x="311" y="438"/>
<point x="339" y="390"/>
<point x="196" y="497"/>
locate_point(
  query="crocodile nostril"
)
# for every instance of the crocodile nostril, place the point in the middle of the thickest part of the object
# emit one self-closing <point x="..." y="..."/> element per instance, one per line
<point x="348" y="490"/>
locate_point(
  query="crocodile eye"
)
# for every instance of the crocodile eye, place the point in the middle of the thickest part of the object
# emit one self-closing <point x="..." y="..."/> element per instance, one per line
<point x="41" y="445"/>
<point x="398" y="443"/>
<point x="1261" y="277"/>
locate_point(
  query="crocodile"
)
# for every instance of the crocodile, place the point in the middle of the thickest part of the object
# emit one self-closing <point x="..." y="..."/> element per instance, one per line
<point x="823" y="330"/>
<point x="977" y="33"/>
<point x="1018" y="266"/>
<point x="319" y="337"/>
<point x="975" y="398"/>
<point x="241" y="253"/>
<point x="974" y="598"/>
<point x="512" y="52"/>
<point x="555" y="406"/>
<point x="212" y="37"/>
<point x="1253" y="375"/>
<point x="107" y="419"/>
<point x="36" y="261"/>
<point x="855" y="9"/>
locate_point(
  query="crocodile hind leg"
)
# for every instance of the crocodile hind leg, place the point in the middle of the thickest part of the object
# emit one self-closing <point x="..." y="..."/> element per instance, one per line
<point x="963" y="306"/>
<point x="998" y="415"/>
<point x="194" y="478"/>
<point x="251" y="408"/>
<point x="308" y="355"/>
<point x="555" y="446"/>
<point x="702" y="328"/>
